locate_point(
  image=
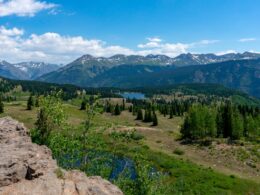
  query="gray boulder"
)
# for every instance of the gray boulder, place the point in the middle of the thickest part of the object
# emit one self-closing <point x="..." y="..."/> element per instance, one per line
<point x="28" y="169"/>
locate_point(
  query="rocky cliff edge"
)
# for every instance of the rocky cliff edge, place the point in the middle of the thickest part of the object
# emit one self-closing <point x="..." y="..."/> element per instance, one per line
<point x="28" y="169"/>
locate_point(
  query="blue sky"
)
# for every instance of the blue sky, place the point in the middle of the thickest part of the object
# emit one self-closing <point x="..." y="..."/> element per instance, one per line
<point x="59" y="31"/>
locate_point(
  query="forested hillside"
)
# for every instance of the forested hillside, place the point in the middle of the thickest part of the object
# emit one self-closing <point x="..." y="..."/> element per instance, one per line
<point x="243" y="75"/>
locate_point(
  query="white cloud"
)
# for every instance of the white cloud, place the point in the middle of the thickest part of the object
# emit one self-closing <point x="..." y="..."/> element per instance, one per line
<point x="169" y="49"/>
<point x="149" y="45"/>
<point x="52" y="47"/>
<point x="11" y="32"/>
<point x="152" y="43"/>
<point x="203" y="43"/>
<point x="154" y="39"/>
<point x="207" y="42"/>
<point x="23" y="7"/>
<point x="157" y="46"/>
<point x="247" y="40"/>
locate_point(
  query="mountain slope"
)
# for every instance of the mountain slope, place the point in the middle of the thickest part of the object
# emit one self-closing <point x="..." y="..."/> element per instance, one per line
<point x="25" y="70"/>
<point x="36" y="69"/>
<point x="199" y="59"/>
<point x="127" y="74"/>
<point x="84" y="69"/>
<point x="87" y="67"/>
<point x="243" y="75"/>
<point x="9" y="71"/>
<point x="138" y="71"/>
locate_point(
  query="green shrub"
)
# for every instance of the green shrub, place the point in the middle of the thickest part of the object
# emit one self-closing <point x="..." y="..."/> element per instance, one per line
<point x="59" y="173"/>
<point x="178" y="151"/>
<point x="136" y="136"/>
<point x="127" y="135"/>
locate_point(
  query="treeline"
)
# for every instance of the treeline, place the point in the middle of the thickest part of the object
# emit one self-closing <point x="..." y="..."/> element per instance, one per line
<point x="36" y="88"/>
<point x="143" y="110"/>
<point x="174" y="108"/>
<point x="42" y="88"/>
<point x="114" y="109"/>
<point x="191" y="89"/>
<point x="147" y="115"/>
<point x="224" y="120"/>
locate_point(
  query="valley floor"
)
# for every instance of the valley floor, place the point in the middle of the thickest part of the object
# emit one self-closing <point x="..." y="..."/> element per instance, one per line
<point x="241" y="161"/>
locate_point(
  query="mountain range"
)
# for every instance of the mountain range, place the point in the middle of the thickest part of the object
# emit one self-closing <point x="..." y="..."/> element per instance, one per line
<point x="200" y="59"/>
<point x="241" y="74"/>
<point x="26" y="70"/>
<point x="239" y="71"/>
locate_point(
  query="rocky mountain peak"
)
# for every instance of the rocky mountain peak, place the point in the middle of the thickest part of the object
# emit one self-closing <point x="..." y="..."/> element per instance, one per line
<point x="4" y="63"/>
<point x="86" y="57"/>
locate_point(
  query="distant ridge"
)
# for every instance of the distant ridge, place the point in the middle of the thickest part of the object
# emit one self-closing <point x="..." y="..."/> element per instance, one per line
<point x="26" y="70"/>
<point x="239" y="71"/>
<point x="235" y="70"/>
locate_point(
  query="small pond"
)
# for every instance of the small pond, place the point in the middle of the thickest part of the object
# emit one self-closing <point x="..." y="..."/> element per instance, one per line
<point x="133" y="95"/>
<point x="101" y="162"/>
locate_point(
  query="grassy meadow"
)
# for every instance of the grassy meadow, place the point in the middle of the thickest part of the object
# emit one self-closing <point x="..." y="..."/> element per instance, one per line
<point x="189" y="168"/>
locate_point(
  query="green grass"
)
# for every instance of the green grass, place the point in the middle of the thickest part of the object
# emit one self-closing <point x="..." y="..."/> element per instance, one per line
<point x="150" y="146"/>
<point x="17" y="110"/>
<point x="188" y="178"/>
<point x="177" y="176"/>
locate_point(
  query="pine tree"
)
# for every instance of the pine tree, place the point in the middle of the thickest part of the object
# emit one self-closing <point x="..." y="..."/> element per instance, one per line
<point x="145" y="116"/>
<point x="30" y="103"/>
<point x="42" y="127"/>
<point x="117" y="110"/>
<point x="130" y="109"/>
<point x="155" y="120"/>
<point x="108" y="107"/>
<point x="220" y="122"/>
<point x="83" y="105"/>
<point x="139" y="114"/>
<point x="134" y="110"/>
<point x="1" y="106"/>
<point x="174" y="109"/>
<point x="37" y="104"/>
<point x="165" y="111"/>
<point x="171" y="113"/>
<point x="51" y="116"/>
<point x="149" y="115"/>
<point x="112" y="109"/>
<point x="91" y="100"/>
<point x="123" y="105"/>
<point x="227" y="120"/>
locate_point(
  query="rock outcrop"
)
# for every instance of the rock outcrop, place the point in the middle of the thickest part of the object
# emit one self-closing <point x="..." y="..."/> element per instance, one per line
<point x="28" y="169"/>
